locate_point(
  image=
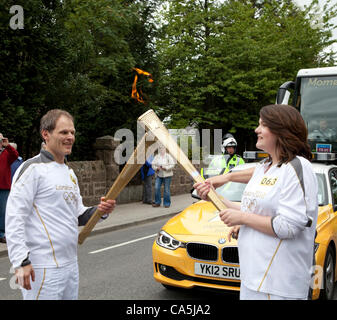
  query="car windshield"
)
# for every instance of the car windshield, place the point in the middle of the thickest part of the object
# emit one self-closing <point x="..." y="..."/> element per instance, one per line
<point x="216" y="166"/>
<point x="233" y="190"/>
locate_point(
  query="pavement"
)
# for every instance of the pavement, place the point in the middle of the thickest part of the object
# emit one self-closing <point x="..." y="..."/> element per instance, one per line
<point x="134" y="213"/>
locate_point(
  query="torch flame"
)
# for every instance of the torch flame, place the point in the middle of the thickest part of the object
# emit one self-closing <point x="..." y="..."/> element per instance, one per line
<point x="134" y="93"/>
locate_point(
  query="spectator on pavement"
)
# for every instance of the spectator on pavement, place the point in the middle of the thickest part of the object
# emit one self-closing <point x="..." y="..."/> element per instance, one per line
<point x="7" y="156"/>
<point x="163" y="164"/>
<point x="147" y="173"/>
<point x="16" y="164"/>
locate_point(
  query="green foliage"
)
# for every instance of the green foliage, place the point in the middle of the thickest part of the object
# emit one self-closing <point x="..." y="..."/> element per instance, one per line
<point x="221" y="61"/>
<point x="29" y="60"/>
<point x="214" y="63"/>
<point x="75" y="55"/>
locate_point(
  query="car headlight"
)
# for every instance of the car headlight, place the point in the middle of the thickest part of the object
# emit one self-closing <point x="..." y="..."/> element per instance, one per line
<point x="167" y="241"/>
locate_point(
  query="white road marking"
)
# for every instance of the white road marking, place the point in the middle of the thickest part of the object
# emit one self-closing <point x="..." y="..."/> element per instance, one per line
<point x="1" y="279"/>
<point x="123" y="244"/>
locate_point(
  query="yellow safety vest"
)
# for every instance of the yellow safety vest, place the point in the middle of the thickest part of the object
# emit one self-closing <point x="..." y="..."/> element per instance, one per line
<point x="219" y="166"/>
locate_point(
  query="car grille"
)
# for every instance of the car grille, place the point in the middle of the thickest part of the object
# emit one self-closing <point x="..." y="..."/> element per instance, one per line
<point x="209" y="252"/>
<point x="202" y="251"/>
<point x="230" y="255"/>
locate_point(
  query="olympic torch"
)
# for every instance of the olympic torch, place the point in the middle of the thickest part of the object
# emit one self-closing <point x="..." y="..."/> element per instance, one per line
<point x="153" y="124"/>
<point x="130" y="169"/>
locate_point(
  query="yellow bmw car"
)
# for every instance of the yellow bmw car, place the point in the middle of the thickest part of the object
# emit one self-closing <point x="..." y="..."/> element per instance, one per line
<point x="192" y="250"/>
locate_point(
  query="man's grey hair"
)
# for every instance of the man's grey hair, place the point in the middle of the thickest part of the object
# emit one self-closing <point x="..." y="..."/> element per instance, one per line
<point x="48" y="121"/>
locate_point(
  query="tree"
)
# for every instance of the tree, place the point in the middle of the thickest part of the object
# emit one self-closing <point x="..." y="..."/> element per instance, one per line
<point x="103" y="38"/>
<point x="78" y="56"/>
<point x="220" y="62"/>
<point x="29" y="64"/>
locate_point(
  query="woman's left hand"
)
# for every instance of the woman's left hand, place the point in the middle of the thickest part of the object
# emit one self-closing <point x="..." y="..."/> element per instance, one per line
<point x="106" y="206"/>
<point x="231" y="217"/>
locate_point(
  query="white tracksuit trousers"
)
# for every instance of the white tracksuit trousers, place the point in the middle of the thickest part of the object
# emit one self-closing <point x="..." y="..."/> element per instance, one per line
<point x="247" y="294"/>
<point x="54" y="284"/>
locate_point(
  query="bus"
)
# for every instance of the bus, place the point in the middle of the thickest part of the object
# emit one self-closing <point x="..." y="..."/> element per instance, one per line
<point x="314" y="93"/>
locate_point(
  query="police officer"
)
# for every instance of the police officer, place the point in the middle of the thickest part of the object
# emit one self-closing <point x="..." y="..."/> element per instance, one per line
<point x="229" y="147"/>
<point x="223" y="163"/>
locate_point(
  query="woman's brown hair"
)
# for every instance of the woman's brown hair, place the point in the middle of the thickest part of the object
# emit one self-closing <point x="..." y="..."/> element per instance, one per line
<point x="287" y="124"/>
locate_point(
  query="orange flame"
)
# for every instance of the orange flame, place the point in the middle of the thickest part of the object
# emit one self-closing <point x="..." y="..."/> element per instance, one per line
<point x="134" y="93"/>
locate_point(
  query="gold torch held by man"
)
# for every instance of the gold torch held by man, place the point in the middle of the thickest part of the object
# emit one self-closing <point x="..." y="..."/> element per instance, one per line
<point x="130" y="169"/>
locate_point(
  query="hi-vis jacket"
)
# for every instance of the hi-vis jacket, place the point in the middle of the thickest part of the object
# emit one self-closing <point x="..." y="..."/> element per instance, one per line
<point x="281" y="264"/>
<point x="44" y="209"/>
<point x="221" y="165"/>
<point x="233" y="162"/>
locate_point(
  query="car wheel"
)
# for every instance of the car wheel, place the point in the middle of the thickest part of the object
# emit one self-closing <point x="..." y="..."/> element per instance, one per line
<point x="328" y="275"/>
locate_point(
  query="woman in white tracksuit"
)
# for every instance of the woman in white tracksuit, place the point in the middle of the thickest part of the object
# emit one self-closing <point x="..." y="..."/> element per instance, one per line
<point x="276" y="220"/>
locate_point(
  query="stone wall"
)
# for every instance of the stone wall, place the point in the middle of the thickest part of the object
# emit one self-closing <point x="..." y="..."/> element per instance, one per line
<point x="91" y="177"/>
<point x="96" y="177"/>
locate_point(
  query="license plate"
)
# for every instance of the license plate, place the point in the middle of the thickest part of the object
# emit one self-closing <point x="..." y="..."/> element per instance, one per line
<point x="216" y="271"/>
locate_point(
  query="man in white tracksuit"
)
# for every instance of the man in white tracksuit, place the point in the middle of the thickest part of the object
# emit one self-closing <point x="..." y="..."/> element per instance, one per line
<point x="43" y="212"/>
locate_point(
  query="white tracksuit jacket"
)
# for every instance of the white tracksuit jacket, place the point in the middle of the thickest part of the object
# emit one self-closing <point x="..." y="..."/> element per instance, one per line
<point x="279" y="265"/>
<point x="43" y="212"/>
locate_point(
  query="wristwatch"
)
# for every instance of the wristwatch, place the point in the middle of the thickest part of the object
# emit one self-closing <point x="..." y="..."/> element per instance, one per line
<point x="25" y="262"/>
<point x="104" y="216"/>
